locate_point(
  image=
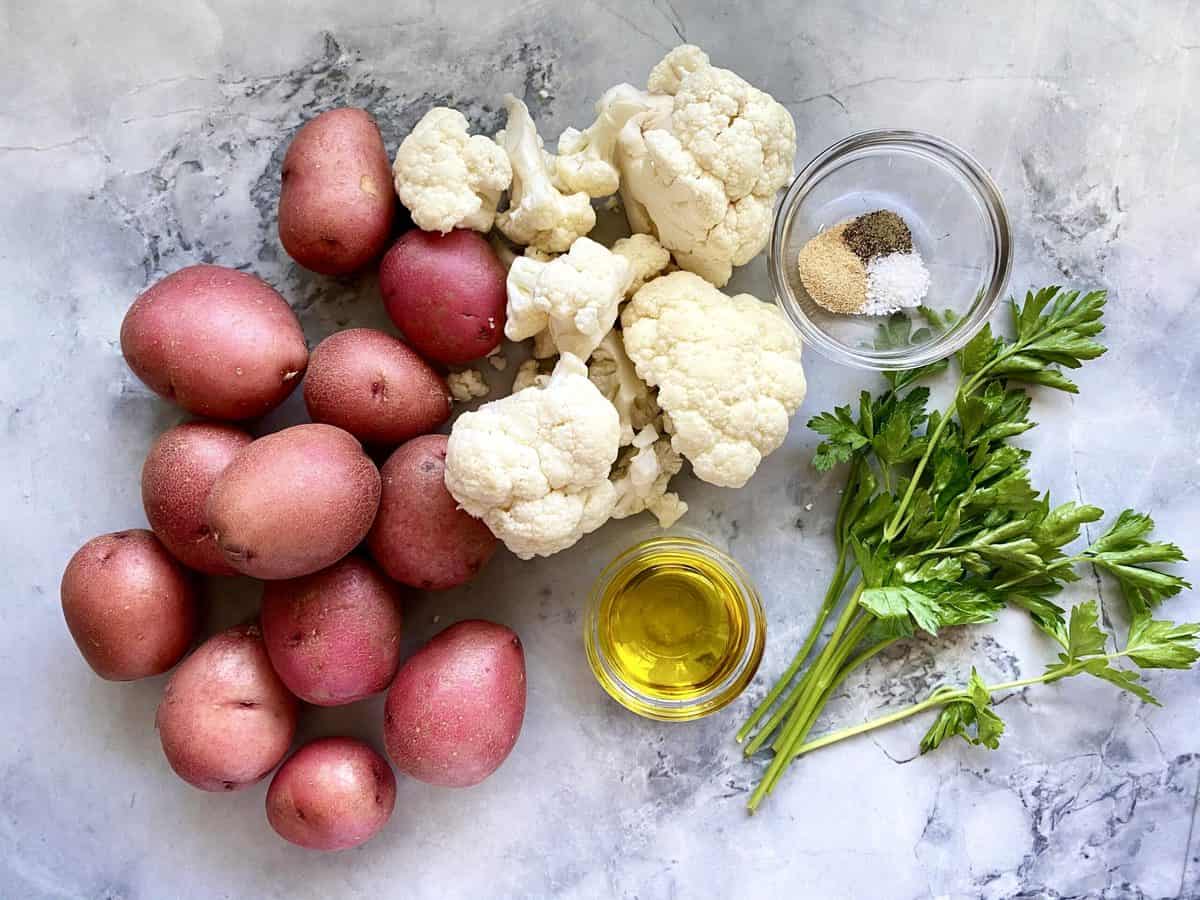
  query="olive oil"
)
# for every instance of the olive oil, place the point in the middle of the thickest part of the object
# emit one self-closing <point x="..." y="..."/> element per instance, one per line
<point x="673" y="622"/>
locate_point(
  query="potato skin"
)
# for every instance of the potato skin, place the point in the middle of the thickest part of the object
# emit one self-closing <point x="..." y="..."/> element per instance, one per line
<point x="446" y="292"/>
<point x="218" y="342"/>
<point x="334" y="637"/>
<point x="420" y="536"/>
<point x="332" y="794"/>
<point x="225" y="719"/>
<point x="336" y="204"/>
<point x="293" y="502"/>
<point x="129" y="606"/>
<point x="178" y="473"/>
<point x="374" y="386"/>
<point x="455" y="709"/>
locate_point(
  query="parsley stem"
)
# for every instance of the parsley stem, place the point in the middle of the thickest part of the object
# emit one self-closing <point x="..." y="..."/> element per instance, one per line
<point x="816" y="676"/>
<point x="893" y="527"/>
<point x="1066" y="562"/>
<point x="965" y="389"/>
<point x="944" y="697"/>
<point x="833" y="673"/>
<point x="797" y="694"/>
<point x="832" y="593"/>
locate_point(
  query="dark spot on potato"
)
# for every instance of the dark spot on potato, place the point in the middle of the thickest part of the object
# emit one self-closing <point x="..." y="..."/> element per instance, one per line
<point x="330" y="242"/>
<point x="248" y="704"/>
<point x="300" y="814"/>
<point x="428" y="466"/>
<point x="228" y="785"/>
<point x="203" y="531"/>
<point x="388" y="719"/>
<point x="485" y="332"/>
<point x="379" y="388"/>
<point x="295" y="639"/>
<point x="426" y="583"/>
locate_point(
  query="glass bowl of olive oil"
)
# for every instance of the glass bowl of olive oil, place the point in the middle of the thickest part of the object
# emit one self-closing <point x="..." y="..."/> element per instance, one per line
<point x="675" y="628"/>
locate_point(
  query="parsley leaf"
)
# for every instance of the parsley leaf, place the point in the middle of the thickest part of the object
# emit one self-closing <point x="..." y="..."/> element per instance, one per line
<point x="1154" y="644"/>
<point x="959" y="717"/>
<point x="895" y="602"/>
<point x="1124" y="553"/>
<point x="843" y="438"/>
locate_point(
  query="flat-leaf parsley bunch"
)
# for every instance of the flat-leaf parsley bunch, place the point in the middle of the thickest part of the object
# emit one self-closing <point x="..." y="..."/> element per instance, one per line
<point x="939" y="526"/>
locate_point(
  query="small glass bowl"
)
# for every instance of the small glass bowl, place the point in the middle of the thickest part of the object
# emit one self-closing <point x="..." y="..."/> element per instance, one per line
<point x="958" y="222"/>
<point x="718" y="696"/>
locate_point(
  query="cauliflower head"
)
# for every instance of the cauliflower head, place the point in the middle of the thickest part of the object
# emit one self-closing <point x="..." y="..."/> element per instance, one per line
<point x="534" y="465"/>
<point x="701" y="173"/>
<point x="447" y="177"/>
<point x="574" y="296"/>
<point x="727" y="370"/>
<point x="641" y="477"/>
<point x="538" y="214"/>
<point x="647" y="258"/>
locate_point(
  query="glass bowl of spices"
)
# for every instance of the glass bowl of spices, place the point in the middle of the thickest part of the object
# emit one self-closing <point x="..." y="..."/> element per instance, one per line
<point x="675" y="629"/>
<point x="890" y="250"/>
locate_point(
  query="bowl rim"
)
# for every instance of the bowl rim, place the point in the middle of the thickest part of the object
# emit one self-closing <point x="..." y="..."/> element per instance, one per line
<point x="955" y="337"/>
<point x="717" y="697"/>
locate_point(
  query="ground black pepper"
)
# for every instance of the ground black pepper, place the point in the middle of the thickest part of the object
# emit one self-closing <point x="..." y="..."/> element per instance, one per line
<point x="878" y="234"/>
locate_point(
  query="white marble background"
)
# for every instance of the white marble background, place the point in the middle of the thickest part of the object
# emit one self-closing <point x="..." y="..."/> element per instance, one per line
<point x="137" y="137"/>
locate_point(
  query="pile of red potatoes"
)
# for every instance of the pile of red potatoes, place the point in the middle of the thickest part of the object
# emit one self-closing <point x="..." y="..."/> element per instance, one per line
<point x="336" y="540"/>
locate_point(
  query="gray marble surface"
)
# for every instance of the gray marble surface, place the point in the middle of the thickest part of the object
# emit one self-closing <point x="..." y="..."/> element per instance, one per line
<point x="138" y="137"/>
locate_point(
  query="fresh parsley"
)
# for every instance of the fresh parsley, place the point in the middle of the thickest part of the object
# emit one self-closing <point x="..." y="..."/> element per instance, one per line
<point x="940" y="526"/>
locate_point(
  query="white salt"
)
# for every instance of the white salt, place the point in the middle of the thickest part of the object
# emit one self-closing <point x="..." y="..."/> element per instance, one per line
<point x="894" y="282"/>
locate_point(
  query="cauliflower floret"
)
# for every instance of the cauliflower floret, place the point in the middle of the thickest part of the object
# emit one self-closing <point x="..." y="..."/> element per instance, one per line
<point x="611" y="371"/>
<point x="641" y="476"/>
<point x="467" y="385"/>
<point x="534" y="466"/>
<point x="530" y="374"/>
<point x="702" y="175"/>
<point x="586" y="159"/>
<point x="727" y="370"/>
<point x="538" y="214"/>
<point x="497" y="360"/>
<point x="647" y="258"/>
<point x="448" y="178"/>
<point x="574" y="297"/>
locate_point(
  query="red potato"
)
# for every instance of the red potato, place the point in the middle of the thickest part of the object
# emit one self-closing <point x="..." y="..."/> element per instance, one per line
<point x="129" y="605"/>
<point x="293" y="502"/>
<point x="332" y="794"/>
<point x="374" y="386"/>
<point x="179" y="471"/>
<point x="225" y="719"/>
<point x="420" y="536"/>
<point x="446" y="293"/>
<point x="334" y="637"/>
<point x="336" y="203"/>
<point x="455" y="709"/>
<point x="218" y="342"/>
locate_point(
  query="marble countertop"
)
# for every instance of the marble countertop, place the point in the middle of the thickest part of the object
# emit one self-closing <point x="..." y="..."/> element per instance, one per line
<point x="136" y="140"/>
